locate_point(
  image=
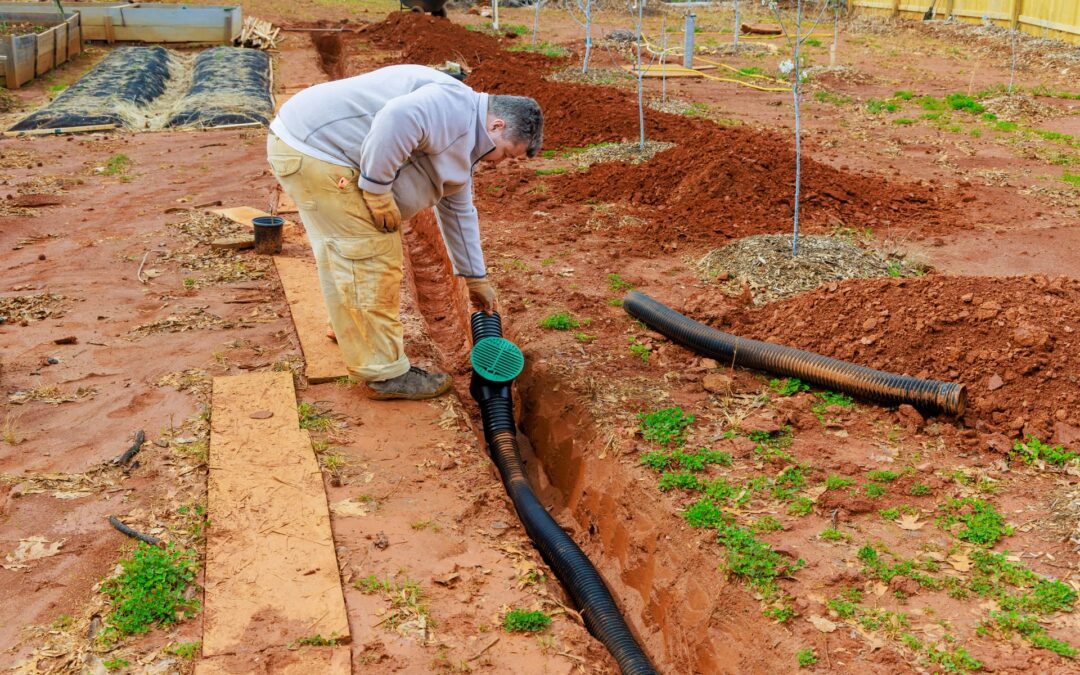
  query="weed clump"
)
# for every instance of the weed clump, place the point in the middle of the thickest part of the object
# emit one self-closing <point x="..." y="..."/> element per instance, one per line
<point x="1032" y="450"/>
<point x="523" y="621"/>
<point x="560" y="321"/>
<point x="150" y="589"/>
<point x="666" y="426"/>
<point x="982" y="524"/>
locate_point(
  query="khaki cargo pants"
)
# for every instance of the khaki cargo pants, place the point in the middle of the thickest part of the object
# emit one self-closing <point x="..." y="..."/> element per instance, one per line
<point x="359" y="265"/>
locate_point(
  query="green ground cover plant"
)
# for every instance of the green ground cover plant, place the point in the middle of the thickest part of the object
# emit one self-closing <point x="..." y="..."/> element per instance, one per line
<point x="150" y="589"/>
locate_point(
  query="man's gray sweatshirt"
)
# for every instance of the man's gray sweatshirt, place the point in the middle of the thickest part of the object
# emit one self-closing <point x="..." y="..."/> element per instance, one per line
<point x="408" y="129"/>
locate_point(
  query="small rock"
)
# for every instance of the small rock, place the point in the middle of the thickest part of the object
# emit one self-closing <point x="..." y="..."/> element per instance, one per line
<point x="1027" y="335"/>
<point x="52" y="361"/>
<point x="1017" y="424"/>
<point x="987" y="310"/>
<point x="905" y="585"/>
<point x="966" y="298"/>
<point x="870" y="324"/>
<point x="717" y="383"/>
<point x="1066" y="435"/>
<point x="710" y="364"/>
<point x="995" y="382"/>
<point x="381" y="542"/>
<point x="910" y="417"/>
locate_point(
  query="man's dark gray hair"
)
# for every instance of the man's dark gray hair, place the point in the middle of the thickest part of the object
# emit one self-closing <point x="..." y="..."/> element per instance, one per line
<point x="524" y="120"/>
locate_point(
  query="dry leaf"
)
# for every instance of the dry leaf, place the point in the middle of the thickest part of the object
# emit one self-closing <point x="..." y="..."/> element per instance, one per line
<point x="909" y="522"/>
<point x="348" y="507"/>
<point x="822" y="624"/>
<point x="960" y="562"/>
<point x="880" y="589"/>
<point x="33" y="548"/>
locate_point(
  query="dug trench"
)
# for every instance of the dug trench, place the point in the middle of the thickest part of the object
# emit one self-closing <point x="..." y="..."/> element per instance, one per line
<point x="687" y="617"/>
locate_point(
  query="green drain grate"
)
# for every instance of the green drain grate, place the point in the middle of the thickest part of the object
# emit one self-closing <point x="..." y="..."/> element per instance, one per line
<point x="497" y="359"/>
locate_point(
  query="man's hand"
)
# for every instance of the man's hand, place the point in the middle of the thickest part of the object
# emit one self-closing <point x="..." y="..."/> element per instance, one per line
<point x="384" y="210"/>
<point x="481" y="294"/>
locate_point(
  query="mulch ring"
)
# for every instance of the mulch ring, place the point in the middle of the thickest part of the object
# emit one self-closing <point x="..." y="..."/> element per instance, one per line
<point x="764" y="264"/>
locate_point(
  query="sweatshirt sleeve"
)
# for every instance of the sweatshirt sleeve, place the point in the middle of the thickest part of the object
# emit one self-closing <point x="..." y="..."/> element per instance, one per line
<point x="398" y="130"/>
<point x="460" y="227"/>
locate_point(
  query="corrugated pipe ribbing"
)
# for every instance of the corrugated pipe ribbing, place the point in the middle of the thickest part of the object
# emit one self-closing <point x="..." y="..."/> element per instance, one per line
<point x="583" y="583"/>
<point x="730" y="350"/>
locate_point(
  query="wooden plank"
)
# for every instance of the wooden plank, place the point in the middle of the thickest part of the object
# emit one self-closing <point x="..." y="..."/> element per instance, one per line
<point x="45" y="58"/>
<point x="300" y="279"/>
<point x="322" y="660"/>
<point x="61" y="43"/>
<point x="285" y="204"/>
<point x="60" y="130"/>
<point x="271" y="571"/>
<point x="241" y="215"/>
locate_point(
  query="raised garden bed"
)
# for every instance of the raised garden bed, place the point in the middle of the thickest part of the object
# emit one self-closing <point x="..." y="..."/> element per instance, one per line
<point x="35" y="41"/>
<point x="146" y="22"/>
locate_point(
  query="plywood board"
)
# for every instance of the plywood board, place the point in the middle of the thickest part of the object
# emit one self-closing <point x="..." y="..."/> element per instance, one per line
<point x="242" y="215"/>
<point x="300" y="279"/>
<point x="321" y="660"/>
<point x="271" y="570"/>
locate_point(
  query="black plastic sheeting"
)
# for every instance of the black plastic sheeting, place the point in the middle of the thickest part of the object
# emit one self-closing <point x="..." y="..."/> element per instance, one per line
<point x="133" y="75"/>
<point x="230" y="85"/>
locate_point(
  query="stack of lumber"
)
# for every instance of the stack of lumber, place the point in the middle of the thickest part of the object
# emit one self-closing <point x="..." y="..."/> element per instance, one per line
<point x="258" y="34"/>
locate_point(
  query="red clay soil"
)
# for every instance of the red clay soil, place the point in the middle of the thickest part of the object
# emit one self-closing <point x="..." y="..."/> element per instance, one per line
<point x="738" y="181"/>
<point x="710" y="184"/>
<point x="1013" y="341"/>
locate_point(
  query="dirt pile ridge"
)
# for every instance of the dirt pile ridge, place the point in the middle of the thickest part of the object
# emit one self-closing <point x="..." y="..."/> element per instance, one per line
<point x="737" y="181"/>
<point x="1014" y="341"/>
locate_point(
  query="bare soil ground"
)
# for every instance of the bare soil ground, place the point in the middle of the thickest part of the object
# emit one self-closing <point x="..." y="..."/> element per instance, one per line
<point x="853" y="536"/>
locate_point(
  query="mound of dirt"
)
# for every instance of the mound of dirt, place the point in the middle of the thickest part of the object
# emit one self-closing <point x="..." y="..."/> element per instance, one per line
<point x="733" y="181"/>
<point x="737" y="181"/>
<point x="1015" y="341"/>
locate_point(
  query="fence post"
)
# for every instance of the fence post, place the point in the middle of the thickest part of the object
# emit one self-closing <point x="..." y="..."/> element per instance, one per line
<point x="10" y="73"/>
<point x="895" y="8"/>
<point x="688" y="41"/>
<point x="1017" y="10"/>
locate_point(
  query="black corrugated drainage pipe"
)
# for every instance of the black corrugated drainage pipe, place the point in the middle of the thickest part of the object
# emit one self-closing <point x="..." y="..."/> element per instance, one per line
<point x="875" y="385"/>
<point x="584" y="584"/>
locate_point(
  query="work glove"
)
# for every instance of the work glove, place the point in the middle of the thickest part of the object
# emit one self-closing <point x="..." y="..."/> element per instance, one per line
<point x="384" y="210"/>
<point x="481" y="294"/>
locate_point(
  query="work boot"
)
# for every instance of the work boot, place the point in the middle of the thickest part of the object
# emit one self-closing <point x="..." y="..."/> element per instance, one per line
<point x="414" y="385"/>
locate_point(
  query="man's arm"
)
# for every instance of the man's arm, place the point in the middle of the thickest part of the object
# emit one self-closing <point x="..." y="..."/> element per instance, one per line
<point x="460" y="226"/>
<point x="405" y="124"/>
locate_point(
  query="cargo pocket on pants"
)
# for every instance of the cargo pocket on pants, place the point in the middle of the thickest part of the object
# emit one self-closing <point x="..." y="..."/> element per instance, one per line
<point x="284" y="166"/>
<point x="364" y="270"/>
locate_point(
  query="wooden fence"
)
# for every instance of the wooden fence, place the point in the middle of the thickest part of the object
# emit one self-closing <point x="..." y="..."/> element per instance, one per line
<point x="25" y="57"/>
<point x="1053" y="19"/>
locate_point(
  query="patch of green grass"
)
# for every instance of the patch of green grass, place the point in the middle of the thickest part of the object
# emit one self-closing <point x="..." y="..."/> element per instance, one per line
<point x="772" y="445"/>
<point x="827" y="399"/>
<point x="515" y="28"/>
<point x="696" y="109"/>
<point x="642" y="351"/>
<point x="666" y="426"/>
<point x="545" y="48"/>
<point x="955" y="660"/>
<point x="904" y="95"/>
<point x="584" y="338"/>
<point x="801" y="506"/>
<point x="681" y="480"/>
<point x="837" y="482"/>
<point x="964" y="102"/>
<point x="615" y="302"/>
<point x="1006" y="126"/>
<point x="874" y="490"/>
<point x="753" y="560"/>
<point x="882" y="476"/>
<point x="975" y="132"/>
<point x="525" y="621"/>
<point x="767" y="524"/>
<point x="551" y="172"/>
<point x="806" y="657"/>
<point x="814" y="42"/>
<point x="313" y="418"/>
<point x="876" y="106"/>
<point x="876" y="567"/>
<point x="788" y="482"/>
<point x="115" y="664"/>
<point x="150" y="589"/>
<point x="781" y="614"/>
<point x="1031" y="449"/>
<point x="117" y="165"/>
<point x="616" y="283"/>
<point x="981" y="522"/>
<point x="895" y="270"/>
<point x="371" y="584"/>
<point x="889" y="514"/>
<point x="750" y="70"/>
<point x="1071" y="178"/>
<point x="843" y="607"/>
<point x="930" y="103"/>
<point x="185" y="650"/>
<point x="832" y="98"/>
<point x="704" y="513"/>
<point x="788" y="386"/>
<point x="919" y="490"/>
<point x="1028" y="627"/>
<point x="903" y="121"/>
<point x="560" y="321"/>
<point x="829" y="534"/>
<point x="315" y="641"/>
